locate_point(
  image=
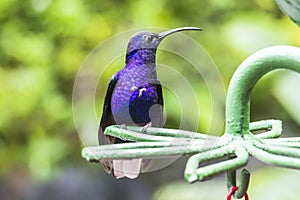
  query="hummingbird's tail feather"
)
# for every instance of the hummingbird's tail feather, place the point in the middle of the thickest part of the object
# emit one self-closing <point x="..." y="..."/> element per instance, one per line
<point x="127" y="168"/>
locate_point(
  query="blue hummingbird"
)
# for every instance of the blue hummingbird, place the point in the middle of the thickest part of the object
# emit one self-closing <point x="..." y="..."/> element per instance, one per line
<point x="134" y="97"/>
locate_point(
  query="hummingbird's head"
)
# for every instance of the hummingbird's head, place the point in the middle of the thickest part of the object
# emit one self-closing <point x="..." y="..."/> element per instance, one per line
<point x="143" y="40"/>
<point x="149" y="40"/>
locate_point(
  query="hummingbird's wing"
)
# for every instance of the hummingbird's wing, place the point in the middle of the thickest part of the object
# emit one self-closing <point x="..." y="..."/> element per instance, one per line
<point x="157" y="116"/>
<point x="107" y="119"/>
<point x="146" y="105"/>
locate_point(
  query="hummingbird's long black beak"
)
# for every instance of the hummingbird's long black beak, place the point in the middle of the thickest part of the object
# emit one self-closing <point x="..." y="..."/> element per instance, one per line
<point x="175" y="30"/>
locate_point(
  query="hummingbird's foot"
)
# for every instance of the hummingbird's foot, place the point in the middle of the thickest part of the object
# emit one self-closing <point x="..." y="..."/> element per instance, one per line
<point x="123" y="126"/>
<point x="107" y="165"/>
<point x="144" y="129"/>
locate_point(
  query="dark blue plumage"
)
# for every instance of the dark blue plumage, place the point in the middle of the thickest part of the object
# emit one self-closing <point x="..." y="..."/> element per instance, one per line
<point x="134" y="96"/>
<point x="140" y="102"/>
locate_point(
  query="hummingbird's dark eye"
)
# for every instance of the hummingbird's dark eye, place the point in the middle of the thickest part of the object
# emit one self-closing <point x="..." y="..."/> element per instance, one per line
<point x="149" y="38"/>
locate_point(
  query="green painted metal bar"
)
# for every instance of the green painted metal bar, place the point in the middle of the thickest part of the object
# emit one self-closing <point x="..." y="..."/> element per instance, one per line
<point x="128" y="135"/>
<point x="288" y="140"/>
<point x="96" y="153"/>
<point x="132" y="133"/>
<point x="193" y="172"/>
<point x="291" y="144"/>
<point x="247" y="75"/>
<point x="273" y="159"/>
<point x="274" y="127"/>
<point x="279" y="150"/>
<point x="243" y="184"/>
<point x="167" y="132"/>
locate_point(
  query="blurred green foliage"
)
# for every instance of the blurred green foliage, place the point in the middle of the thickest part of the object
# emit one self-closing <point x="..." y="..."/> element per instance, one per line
<point x="43" y="43"/>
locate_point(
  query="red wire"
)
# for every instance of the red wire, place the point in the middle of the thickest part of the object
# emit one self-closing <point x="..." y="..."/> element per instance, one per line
<point x="232" y="190"/>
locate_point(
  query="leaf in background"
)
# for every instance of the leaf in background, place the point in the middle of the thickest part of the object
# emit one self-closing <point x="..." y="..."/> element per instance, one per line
<point x="291" y="8"/>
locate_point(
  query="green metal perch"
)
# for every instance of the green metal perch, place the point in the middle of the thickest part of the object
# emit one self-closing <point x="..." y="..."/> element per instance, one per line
<point x="238" y="142"/>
